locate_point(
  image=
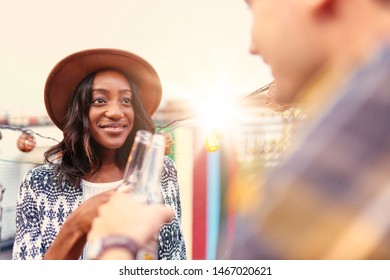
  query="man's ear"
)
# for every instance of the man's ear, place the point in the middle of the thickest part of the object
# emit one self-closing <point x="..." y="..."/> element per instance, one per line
<point x="322" y="8"/>
<point x="317" y="3"/>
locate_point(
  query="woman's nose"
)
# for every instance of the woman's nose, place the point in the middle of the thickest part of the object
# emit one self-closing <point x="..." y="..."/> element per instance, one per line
<point x="114" y="111"/>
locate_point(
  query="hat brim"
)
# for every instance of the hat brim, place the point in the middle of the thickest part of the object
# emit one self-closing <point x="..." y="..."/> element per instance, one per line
<point x="70" y="71"/>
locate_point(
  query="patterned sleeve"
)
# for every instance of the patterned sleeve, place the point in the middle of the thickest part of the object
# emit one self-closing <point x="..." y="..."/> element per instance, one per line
<point x="28" y="238"/>
<point x="171" y="240"/>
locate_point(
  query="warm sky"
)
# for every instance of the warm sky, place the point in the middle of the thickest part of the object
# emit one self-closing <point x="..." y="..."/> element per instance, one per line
<point x="198" y="47"/>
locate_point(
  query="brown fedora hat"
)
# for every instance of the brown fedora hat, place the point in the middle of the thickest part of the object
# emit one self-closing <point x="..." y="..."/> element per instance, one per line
<point x="70" y="71"/>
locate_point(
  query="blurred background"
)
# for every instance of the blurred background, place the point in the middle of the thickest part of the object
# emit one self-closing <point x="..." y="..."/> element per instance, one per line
<point x="200" y="50"/>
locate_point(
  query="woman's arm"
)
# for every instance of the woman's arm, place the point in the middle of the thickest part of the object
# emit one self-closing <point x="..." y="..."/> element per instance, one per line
<point x="28" y="238"/>
<point x="71" y="239"/>
<point x="171" y="195"/>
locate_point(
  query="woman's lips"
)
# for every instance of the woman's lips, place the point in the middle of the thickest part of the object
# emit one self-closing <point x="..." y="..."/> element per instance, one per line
<point x="113" y="128"/>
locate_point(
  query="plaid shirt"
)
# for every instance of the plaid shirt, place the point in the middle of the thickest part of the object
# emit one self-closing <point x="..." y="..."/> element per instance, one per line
<point x="331" y="198"/>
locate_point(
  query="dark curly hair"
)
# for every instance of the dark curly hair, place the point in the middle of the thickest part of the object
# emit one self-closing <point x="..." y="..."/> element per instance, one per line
<point x="76" y="153"/>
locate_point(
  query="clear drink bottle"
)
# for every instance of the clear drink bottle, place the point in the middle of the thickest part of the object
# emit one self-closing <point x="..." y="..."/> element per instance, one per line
<point x="133" y="171"/>
<point x="135" y="161"/>
<point x="150" y="186"/>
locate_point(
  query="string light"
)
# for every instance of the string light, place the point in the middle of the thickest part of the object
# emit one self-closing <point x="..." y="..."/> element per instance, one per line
<point x="168" y="143"/>
<point x="212" y="143"/>
<point x="17" y="128"/>
<point x="26" y="142"/>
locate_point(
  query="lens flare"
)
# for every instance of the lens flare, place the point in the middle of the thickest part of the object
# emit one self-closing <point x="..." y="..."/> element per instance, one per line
<point x="212" y="143"/>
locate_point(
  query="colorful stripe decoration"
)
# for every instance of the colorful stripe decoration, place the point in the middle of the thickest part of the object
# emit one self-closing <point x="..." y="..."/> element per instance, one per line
<point x="206" y="180"/>
<point x="213" y="204"/>
<point x="199" y="227"/>
<point x="184" y="159"/>
<point x="228" y="173"/>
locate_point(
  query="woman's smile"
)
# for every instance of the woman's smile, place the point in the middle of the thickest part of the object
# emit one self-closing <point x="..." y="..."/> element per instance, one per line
<point x="113" y="128"/>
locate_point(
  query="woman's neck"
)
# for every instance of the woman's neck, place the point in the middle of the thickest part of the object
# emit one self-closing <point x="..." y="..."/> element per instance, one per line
<point x="109" y="172"/>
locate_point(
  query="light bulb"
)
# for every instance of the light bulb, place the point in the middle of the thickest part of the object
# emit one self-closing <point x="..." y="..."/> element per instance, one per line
<point x="212" y="143"/>
<point x="168" y="143"/>
<point x="26" y="142"/>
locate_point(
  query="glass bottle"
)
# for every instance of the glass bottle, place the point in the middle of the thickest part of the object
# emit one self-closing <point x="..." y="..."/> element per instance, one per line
<point x="133" y="171"/>
<point x="135" y="161"/>
<point x="150" y="185"/>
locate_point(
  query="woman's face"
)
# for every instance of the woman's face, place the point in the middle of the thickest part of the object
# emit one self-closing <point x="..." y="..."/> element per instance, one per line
<point x="111" y="114"/>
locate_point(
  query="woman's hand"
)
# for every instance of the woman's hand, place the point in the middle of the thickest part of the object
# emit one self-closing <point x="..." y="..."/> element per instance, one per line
<point x="72" y="237"/>
<point x="88" y="211"/>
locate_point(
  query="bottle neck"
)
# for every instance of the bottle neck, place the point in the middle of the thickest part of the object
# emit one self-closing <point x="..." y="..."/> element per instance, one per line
<point x="135" y="161"/>
<point x="154" y="162"/>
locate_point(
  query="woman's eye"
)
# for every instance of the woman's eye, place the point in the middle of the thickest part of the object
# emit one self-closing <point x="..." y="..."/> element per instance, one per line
<point x="127" y="101"/>
<point x="98" y="101"/>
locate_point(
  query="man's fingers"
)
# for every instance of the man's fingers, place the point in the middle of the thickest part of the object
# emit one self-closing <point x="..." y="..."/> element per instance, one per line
<point x="165" y="212"/>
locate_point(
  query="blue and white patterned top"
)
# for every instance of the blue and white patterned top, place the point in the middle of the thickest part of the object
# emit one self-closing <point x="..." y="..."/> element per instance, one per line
<point x="43" y="206"/>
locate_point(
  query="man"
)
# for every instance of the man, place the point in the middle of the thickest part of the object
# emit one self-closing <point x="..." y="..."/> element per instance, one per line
<point x="331" y="198"/>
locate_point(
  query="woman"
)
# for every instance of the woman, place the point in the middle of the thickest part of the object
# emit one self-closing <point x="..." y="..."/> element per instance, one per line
<point x="99" y="98"/>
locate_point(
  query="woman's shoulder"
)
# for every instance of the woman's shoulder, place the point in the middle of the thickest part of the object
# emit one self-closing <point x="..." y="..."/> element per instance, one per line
<point x="43" y="169"/>
<point x="41" y="172"/>
<point x="48" y="178"/>
<point x="169" y="166"/>
<point x="168" y="162"/>
<point x="169" y="180"/>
